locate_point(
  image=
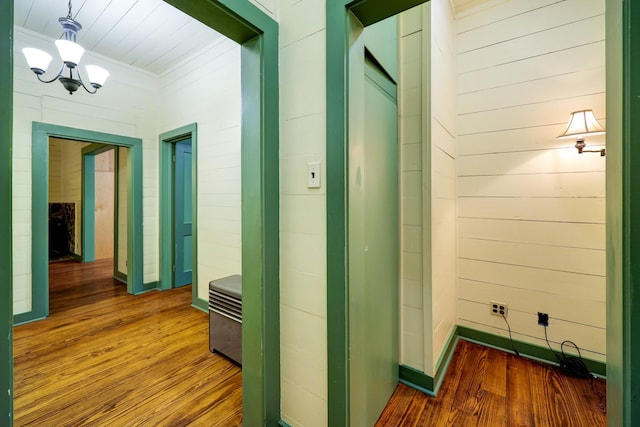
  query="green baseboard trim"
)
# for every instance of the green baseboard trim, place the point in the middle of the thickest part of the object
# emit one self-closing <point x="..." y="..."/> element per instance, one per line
<point x="28" y="317"/>
<point x="283" y="424"/>
<point x="200" y="304"/>
<point x="430" y="385"/>
<point x="147" y="287"/>
<point x="527" y="350"/>
<point x="417" y="379"/>
<point x="120" y="276"/>
<point x="76" y="257"/>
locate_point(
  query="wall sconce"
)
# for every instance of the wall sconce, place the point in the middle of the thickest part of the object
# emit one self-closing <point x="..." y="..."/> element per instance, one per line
<point x="583" y="123"/>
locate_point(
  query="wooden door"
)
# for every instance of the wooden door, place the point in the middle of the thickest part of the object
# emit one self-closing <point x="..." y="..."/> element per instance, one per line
<point x="183" y="214"/>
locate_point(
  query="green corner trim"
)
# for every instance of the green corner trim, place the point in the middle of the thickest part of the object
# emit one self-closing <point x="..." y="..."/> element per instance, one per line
<point x="421" y="381"/>
<point x="283" y="424"/>
<point x="417" y="379"/>
<point x="525" y="349"/>
<point x="201" y="304"/>
<point x="6" y="222"/>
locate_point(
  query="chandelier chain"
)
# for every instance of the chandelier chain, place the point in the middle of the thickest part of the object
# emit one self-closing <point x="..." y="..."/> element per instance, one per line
<point x="69" y="14"/>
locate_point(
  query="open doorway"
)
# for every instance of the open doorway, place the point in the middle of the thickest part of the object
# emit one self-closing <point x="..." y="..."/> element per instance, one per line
<point x="258" y="35"/>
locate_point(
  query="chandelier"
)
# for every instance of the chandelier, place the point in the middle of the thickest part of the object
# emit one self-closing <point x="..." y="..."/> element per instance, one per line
<point x="70" y="53"/>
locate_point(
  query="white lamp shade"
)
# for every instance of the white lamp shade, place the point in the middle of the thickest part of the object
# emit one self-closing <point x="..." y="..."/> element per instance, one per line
<point x="36" y="58"/>
<point x="582" y="123"/>
<point x="70" y="52"/>
<point x="97" y="75"/>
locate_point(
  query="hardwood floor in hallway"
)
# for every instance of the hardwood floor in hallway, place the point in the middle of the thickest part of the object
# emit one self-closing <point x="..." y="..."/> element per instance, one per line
<point x="491" y="388"/>
<point x="107" y="358"/>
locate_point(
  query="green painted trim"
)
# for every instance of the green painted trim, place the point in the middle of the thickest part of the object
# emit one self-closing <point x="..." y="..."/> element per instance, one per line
<point x="76" y="257"/>
<point x="88" y="225"/>
<point x="120" y="276"/>
<point x="201" y="304"/>
<point x="423" y="382"/>
<point x="623" y="207"/>
<point x="150" y="286"/>
<point x="245" y="23"/>
<point x="116" y="223"/>
<point x="283" y="424"/>
<point x="337" y="76"/>
<point x="23" y="318"/>
<point x="372" y="11"/>
<point x="528" y="350"/>
<point x="442" y="365"/>
<point x="88" y="184"/>
<point x="417" y="379"/>
<point x="260" y="232"/>
<point x="167" y="251"/>
<point x="6" y="222"/>
<point x="337" y="270"/>
<point x="40" y="172"/>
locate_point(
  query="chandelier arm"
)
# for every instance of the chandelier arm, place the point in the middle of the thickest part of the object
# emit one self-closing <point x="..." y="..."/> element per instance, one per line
<point x="53" y="79"/>
<point x="95" y="89"/>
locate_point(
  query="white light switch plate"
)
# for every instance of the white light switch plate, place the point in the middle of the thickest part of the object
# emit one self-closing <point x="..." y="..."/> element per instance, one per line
<point x="313" y="175"/>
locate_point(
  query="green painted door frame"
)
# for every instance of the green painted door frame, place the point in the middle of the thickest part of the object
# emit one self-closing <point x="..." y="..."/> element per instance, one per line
<point x="6" y="258"/>
<point x="338" y="32"/>
<point x="88" y="234"/>
<point x="247" y="25"/>
<point x="167" y="142"/>
<point x="623" y="212"/>
<point x="40" y="203"/>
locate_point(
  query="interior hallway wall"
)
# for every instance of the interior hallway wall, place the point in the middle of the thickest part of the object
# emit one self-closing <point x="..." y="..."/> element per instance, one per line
<point x="121" y="108"/>
<point x="207" y="90"/>
<point x="303" y="269"/>
<point x="531" y="210"/>
<point x="428" y="186"/>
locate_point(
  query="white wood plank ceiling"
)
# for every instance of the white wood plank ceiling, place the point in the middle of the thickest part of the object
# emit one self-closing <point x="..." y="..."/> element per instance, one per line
<point x="148" y="34"/>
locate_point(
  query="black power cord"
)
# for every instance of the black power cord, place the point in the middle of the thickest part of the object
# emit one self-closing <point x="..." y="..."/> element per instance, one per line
<point x="573" y="366"/>
<point x="510" y="336"/>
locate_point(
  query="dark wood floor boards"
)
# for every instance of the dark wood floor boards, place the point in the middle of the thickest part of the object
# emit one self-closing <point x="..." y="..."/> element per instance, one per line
<point x="488" y="387"/>
<point x="104" y="357"/>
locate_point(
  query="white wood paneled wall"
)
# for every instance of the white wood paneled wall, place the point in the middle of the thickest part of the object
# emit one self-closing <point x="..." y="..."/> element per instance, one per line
<point x="72" y="184"/>
<point x="123" y="106"/>
<point x="428" y="183"/>
<point x="531" y="221"/>
<point x="210" y="96"/>
<point x="55" y="171"/>
<point x="414" y="332"/>
<point x="443" y="176"/>
<point x="303" y="220"/>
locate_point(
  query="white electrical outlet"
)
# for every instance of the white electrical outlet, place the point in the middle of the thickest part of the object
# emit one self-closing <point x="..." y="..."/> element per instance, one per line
<point x="498" y="308"/>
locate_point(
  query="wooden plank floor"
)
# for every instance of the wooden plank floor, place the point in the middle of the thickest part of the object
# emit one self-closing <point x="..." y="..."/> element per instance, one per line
<point x="488" y="387"/>
<point x="104" y="357"/>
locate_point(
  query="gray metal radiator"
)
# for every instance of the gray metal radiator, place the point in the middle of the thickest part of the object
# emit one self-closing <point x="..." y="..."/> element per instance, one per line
<point x="225" y="317"/>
